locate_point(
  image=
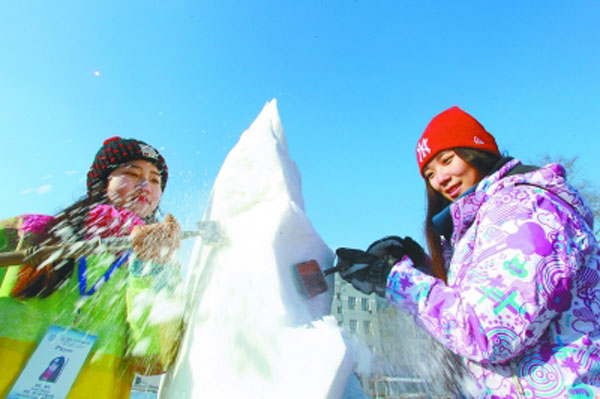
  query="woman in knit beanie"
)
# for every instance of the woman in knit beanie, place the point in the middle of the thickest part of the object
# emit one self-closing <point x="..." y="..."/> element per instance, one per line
<point x="107" y="295"/>
<point x="515" y="284"/>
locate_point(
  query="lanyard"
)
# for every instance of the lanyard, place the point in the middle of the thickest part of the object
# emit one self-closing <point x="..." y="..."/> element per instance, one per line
<point x="107" y="275"/>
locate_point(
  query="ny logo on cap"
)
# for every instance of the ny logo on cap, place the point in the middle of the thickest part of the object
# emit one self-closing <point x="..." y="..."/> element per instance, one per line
<point x="423" y="149"/>
<point x="148" y="151"/>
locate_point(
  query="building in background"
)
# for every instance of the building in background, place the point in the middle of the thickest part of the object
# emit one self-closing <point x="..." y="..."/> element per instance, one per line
<point x="355" y="312"/>
<point x="405" y="362"/>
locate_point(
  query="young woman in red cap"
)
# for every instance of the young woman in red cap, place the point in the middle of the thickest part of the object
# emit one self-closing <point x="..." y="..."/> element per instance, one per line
<point x="129" y="300"/>
<point x="515" y="283"/>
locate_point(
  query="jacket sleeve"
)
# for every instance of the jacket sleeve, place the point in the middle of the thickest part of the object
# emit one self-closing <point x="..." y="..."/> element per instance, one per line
<point x="154" y="314"/>
<point x="16" y="234"/>
<point x="9" y="241"/>
<point x="512" y="278"/>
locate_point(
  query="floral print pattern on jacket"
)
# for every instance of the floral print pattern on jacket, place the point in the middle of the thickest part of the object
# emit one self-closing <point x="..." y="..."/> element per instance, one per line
<point x="522" y="302"/>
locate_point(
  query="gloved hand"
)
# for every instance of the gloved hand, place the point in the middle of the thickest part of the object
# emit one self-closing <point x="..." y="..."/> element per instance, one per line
<point x="157" y="242"/>
<point x="368" y="271"/>
<point x="416" y="253"/>
<point x="390" y="248"/>
<point x="393" y="248"/>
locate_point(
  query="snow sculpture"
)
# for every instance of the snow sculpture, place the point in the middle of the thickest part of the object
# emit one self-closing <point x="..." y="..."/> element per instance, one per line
<point x="251" y="333"/>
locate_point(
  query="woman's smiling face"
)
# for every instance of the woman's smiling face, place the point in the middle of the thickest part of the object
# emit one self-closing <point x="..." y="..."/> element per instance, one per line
<point x="450" y="175"/>
<point x="135" y="185"/>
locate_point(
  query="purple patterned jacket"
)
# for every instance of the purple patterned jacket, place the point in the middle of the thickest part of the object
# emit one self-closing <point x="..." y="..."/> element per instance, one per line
<point x="522" y="303"/>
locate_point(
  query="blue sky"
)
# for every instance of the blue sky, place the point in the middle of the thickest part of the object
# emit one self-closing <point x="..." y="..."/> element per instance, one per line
<point x="356" y="84"/>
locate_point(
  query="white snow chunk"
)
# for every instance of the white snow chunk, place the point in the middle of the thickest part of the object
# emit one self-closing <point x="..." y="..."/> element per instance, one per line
<point x="251" y="332"/>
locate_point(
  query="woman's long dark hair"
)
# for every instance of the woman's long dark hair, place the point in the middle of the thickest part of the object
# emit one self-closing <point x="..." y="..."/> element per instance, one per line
<point x="484" y="162"/>
<point x="68" y="225"/>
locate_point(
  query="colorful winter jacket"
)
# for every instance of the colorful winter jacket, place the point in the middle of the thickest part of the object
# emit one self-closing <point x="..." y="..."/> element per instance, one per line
<point x="136" y="316"/>
<point x="522" y="301"/>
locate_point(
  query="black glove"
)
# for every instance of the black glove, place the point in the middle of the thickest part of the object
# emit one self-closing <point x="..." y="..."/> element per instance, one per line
<point x="393" y="248"/>
<point x="390" y="248"/>
<point x="366" y="272"/>
<point x="415" y="252"/>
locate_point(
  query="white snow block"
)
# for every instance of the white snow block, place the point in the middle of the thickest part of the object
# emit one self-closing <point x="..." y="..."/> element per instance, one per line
<point x="251" y="333"/>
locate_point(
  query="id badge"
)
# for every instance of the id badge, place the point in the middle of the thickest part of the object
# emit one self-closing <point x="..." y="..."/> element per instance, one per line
<point x="53" y="367"/>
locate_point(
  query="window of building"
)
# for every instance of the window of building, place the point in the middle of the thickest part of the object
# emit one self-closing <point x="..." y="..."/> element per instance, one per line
<point x="339" y="309"/>
<point x="351" y="302"/>
<point x="367" y="327"/>
<point x="364" y="304"/>
<point x="353" y="324"/>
